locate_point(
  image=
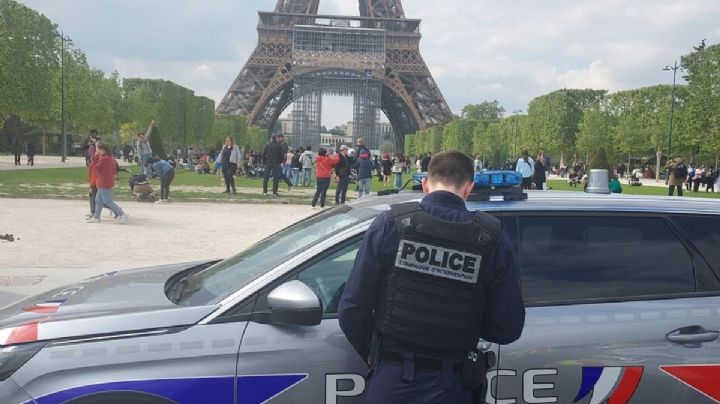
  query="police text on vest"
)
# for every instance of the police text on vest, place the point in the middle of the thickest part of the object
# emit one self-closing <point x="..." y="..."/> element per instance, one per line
<point x="438" y="261"/>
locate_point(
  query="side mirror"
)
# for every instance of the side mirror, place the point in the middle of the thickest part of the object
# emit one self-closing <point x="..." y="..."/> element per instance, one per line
<point x="296" y="304"/>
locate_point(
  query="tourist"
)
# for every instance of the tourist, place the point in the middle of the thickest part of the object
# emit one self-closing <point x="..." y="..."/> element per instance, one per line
<point x="230" y="157"/>
<point x="307" y="158"/>
<point x="30" y="151"/>
<point x="105" y="181"/>
<point x="526" y="167"/>
<point x="272" y="157"/>
<point x="386" y="169"/>
<point x="398" y="168"/>
<point x="342" y="171"/>
<point x="166" y="173"/>
<point x="323" y="173"/>
<point x="17" y="151"/>
<point x="363" y="166"/>
<point x="145" y="153"/>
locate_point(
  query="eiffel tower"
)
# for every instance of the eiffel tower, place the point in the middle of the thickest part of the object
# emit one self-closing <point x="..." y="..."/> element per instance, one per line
<point x="373" y="57"/>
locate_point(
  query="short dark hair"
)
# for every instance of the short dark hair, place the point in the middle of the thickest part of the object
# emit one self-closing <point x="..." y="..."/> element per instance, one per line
<point x="322" y="152"/>
<point x="451" y="168"/>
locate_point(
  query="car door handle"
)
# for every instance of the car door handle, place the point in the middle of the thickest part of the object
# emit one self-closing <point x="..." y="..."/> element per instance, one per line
<point x="692" y="335"/>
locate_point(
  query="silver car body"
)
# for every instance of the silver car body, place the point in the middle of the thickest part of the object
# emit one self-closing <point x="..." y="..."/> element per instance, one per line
<point x="118" y="338"/>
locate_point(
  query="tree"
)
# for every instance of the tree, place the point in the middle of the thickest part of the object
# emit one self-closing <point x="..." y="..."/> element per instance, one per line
<point x="594" y="131"/>
<point x="702" y="127"/>
<point x="555" y="118"/>
<point x="599" y="160"/>
<point x="487" y="110"/>
<point x="156" y="142"/>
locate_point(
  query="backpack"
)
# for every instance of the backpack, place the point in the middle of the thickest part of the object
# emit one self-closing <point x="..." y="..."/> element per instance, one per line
<point x="680" y="171"/>
<point x="295" y="163"/>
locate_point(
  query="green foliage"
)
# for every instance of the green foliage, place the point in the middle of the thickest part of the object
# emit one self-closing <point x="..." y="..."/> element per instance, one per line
<point x="595" y="131"/>
<point x="28" y="61"/>
<point x="156" y="142"/>
<point x="486" y="110"/>
<point x="600" y="160"/>
<point x="701" y="129"/>
<point x="555" y="118"/>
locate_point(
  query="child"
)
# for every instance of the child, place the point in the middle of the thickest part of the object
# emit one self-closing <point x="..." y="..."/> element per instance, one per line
<point x="105" y="181"/>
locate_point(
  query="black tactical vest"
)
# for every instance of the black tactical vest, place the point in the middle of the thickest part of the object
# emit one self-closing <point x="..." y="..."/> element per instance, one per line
<point x="435" y="294"/>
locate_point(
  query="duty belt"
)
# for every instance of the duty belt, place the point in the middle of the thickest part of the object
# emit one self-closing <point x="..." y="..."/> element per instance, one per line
<point x="421" y="362"/>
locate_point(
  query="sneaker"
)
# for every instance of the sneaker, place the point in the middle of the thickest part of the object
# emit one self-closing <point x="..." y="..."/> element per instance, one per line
<point x="89" y="215"/>
<point x="93" y="220"/>
<point x="159" y="201"/>
<point x="122" y="218"/>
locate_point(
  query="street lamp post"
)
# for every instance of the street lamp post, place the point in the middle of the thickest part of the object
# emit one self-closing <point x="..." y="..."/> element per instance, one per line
<point x="674" y="69"/>
<point x="62" y="95"/>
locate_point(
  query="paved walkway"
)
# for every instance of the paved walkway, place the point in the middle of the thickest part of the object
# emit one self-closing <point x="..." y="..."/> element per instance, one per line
<point x="54" y="246"/>
<point x="7" y="162"/>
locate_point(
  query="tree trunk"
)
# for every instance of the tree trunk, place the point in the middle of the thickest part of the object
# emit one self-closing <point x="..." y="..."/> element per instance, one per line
<point x="44" y="142"/>
<point x="629" y="165"/>
<point x="658" y="156"/>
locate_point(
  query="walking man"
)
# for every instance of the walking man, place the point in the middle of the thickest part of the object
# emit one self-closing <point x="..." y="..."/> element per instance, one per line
<point x="272" y="157"/>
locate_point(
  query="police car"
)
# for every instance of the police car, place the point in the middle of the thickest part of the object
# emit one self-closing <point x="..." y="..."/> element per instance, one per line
<point x="622" y="295"/>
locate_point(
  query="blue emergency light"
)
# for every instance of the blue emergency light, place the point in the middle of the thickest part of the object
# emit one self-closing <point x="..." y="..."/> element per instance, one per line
<point x="497" y="179"/>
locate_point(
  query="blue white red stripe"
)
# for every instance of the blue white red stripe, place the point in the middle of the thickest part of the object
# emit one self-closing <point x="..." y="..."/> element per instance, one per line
<point x="612" y="384"/>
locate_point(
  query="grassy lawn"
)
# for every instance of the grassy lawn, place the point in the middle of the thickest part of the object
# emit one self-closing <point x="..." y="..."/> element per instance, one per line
<point x="71" y="183"/>
<point x="561" y="185"/>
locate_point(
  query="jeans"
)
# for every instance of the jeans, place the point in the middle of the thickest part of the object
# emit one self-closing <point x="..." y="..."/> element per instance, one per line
<point x="295" y="176"/>
<point x="364" y="187"/>
<point x="306" y="174"/>
<point x="104" y="198"/>
<point x="321" y="192"/>
<point x="145" y="167"/>
<point x="341" y="190"/>
<point x="287" y="171"/>
<point x="165" y="180"/>
<point x="398" y="180"/>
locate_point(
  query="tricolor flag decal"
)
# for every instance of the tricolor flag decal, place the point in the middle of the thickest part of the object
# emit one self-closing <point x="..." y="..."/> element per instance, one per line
<point x="49" y="307"/>
<point x="614" y="385"/>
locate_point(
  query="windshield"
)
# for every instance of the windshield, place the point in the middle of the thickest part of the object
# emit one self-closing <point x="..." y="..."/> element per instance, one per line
<point x="220" y="280"/>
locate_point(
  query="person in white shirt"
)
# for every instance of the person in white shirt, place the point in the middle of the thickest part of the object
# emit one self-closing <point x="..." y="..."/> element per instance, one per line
<point x="526" y="167"/>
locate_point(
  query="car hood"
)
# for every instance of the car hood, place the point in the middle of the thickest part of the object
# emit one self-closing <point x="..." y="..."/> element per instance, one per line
<point x="114" y="302"/>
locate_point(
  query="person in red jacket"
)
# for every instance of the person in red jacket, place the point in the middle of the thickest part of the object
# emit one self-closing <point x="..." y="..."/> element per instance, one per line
<point x="323" y="172"/>
<point x="105" y="169"/>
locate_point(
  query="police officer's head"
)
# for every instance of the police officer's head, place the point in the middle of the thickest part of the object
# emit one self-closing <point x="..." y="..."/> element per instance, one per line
<point x="450" y="171"/>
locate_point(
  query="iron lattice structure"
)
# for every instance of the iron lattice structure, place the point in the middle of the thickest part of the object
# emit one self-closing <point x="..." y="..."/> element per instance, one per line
<point x="301" y="55"/>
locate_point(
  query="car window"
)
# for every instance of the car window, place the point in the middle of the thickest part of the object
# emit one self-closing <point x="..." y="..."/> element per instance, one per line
<point x="327" y="276"/>
<point x="574" y="258"/>
<point x="704" y="232"/>
<point x="225" y="277"/>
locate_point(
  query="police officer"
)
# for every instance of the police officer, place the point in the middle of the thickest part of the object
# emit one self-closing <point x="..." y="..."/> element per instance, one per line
<point x="429" y="281"/>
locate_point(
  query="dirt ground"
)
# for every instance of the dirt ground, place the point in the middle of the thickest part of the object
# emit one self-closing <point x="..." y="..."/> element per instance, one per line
<point x="53" y="245"/>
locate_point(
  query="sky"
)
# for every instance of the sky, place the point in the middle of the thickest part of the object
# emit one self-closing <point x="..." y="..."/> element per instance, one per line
<point x="477" y="50"/>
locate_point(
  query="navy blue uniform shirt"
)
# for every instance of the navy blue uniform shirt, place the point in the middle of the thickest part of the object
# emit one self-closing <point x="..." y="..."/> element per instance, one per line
<point x="505" y="313"/>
